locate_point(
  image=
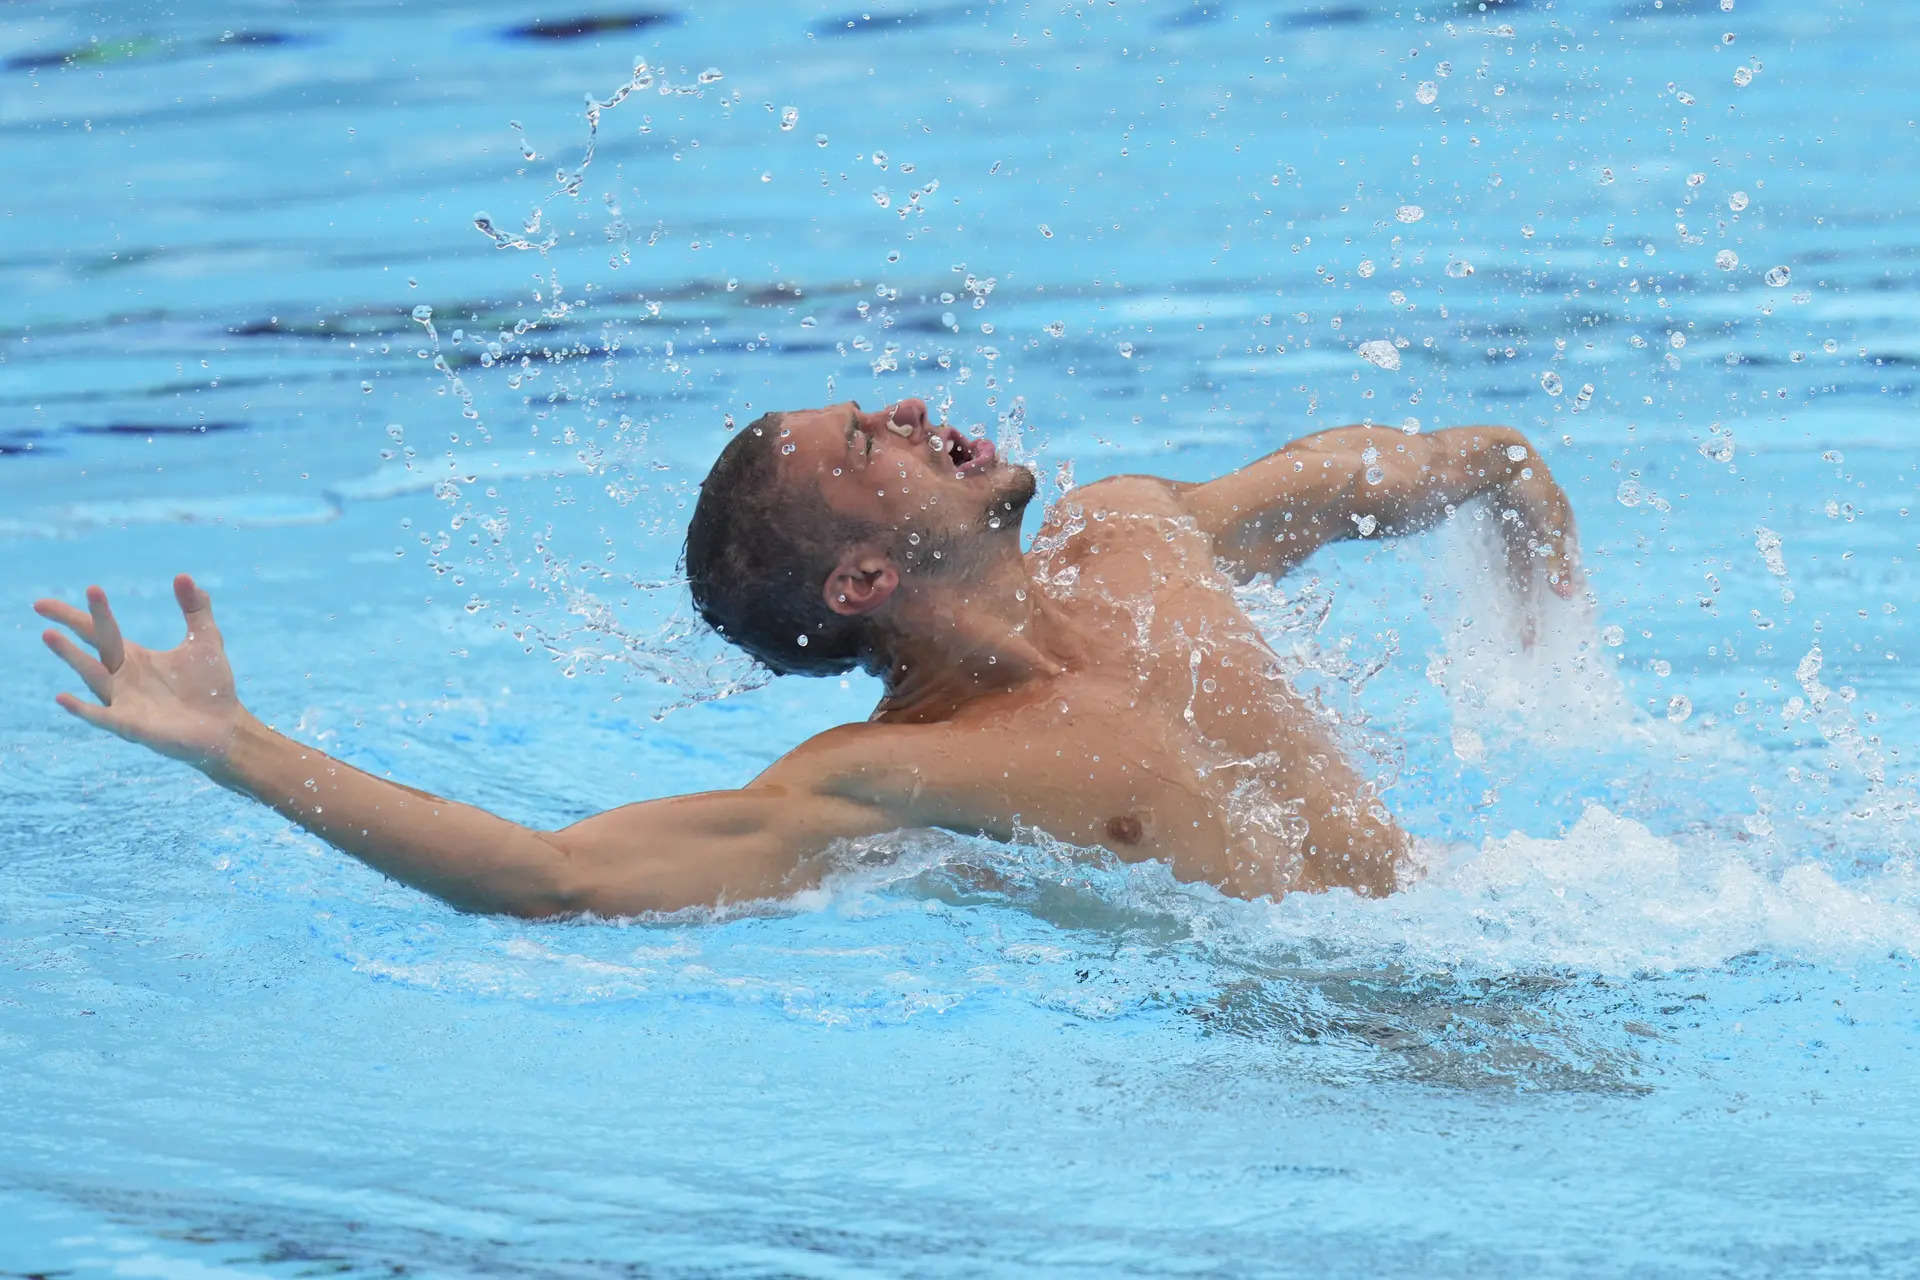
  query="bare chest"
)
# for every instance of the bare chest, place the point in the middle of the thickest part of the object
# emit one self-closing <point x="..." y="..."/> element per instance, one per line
<point x="1176" y="736"/>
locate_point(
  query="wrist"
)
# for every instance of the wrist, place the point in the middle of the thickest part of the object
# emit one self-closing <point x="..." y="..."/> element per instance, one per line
<point x="241" y="746"/>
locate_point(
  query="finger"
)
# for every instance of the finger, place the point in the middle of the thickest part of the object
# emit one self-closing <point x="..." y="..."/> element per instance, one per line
<point x="196" y="606"/>
<point x="92" y="713"/>
<point x="106" y="631"/>
<point x="1566" y="575"/>
<point x="85" y="665"/>
<point x="67" y="616"/>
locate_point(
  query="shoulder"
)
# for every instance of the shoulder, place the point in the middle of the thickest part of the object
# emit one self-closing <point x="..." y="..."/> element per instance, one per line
<point x="888" y="765"/>
<point x="1091" y="505"/>
<point x="1132" y="495"/>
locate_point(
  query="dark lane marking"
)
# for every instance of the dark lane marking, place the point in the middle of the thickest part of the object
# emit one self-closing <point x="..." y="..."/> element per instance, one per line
<point x="861" y="24"/>
<point x="147" y="49"/>
<point x="1326" y="16"/>
<point x="588" y="24"/>
<point x="155" y="428"/>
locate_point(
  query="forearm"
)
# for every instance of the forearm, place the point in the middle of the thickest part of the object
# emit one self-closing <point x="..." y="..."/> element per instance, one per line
<point x="463" y="855"/>
<point x="1370" y="481"/>
<point x="1409" y="484"/>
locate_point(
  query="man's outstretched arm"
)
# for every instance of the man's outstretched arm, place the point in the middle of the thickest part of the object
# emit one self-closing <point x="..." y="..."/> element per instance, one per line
<point x="659" y="855"/>
<point x="1356" y="482"/>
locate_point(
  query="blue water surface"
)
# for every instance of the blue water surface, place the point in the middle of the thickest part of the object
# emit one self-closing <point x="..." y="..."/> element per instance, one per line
<point x="1652" y="1011"/>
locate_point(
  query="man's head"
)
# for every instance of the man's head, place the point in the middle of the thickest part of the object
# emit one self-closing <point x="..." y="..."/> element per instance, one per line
<point x="813" y="525"/>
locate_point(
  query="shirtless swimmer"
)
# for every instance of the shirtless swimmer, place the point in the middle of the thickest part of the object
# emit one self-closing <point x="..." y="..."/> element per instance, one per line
<point x="1104" y="686"/>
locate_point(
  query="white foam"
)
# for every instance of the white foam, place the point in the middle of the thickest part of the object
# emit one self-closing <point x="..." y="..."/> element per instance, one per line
<point x="1613" y="897"/>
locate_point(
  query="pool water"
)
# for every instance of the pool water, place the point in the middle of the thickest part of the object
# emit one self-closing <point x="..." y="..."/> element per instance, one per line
<point x="1652" y="1010"/>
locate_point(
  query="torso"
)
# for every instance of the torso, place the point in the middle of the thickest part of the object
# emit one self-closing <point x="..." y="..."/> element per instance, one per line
<point x="1174" y="735"/>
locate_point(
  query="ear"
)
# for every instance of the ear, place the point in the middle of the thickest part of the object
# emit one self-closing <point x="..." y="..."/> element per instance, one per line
<point x="864" y="580"/>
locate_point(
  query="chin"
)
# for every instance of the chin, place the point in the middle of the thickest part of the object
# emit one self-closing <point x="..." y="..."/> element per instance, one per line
<point x="1013" y="488"/>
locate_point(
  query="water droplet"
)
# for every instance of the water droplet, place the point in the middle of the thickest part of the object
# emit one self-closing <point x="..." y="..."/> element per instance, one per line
<point x="1737" y="201"/>
<point x="789" y="117"/>
<point x="1676" y="340"/>
<point x="1613" y="636"/>
<point x="1583" y="397"/>
<point x="1606" y="176"/>
<point x="1629" y="494"/>
<point x="1365" y="268"/>
<point x="880" y="159"/>
<point x="712" y="75"/>
<point x="1426" y="92"/>
<point x="1679" y="707"/>
<point x="819" y="139"/>
<point x="1830" y="346"/>
<point x="1046" y="231"/>
<point x="766" y="175"/>
<point x="1551" y="384"/>
<point x="367" y="387"/>
<point x="1056" y="329"/>
<point x="1743" y="76"/>
<point x="1726" y="259"/>
<point x="1459" y="268"/>
<point x="1126" y="350"/>
<point x="423" y="313"/>
<point x="1409" y="213"/>
<point x="395" y="431"/>
<point x="1380" y="353"/>
<point x="800" y="640"/>
<point x="1375" y="475"/>
<point x="1777" y="277"/>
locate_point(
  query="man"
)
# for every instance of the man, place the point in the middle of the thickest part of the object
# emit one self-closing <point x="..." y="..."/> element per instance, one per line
<point x="1105" y="686"/>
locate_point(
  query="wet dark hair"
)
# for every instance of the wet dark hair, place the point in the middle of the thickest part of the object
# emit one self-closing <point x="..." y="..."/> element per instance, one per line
<point x="758" y="552"/>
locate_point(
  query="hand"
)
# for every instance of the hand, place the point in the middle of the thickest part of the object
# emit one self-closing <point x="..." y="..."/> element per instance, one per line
<point x="1542" y="551"/>
<point x="179" y="702"/>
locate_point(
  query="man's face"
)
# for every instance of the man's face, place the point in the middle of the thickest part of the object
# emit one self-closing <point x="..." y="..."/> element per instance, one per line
<point x="891" y="467"/>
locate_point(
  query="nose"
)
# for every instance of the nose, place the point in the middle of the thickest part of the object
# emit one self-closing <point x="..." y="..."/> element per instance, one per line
<point x="910" y="413"/>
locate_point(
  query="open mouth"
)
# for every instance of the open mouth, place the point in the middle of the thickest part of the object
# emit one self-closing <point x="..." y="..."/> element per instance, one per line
<point x="969" y="457"/>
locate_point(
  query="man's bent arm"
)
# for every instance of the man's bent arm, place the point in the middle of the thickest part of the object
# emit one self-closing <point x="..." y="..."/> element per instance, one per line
<point x="1353" y="482"/>
<point x="659" y="855"/>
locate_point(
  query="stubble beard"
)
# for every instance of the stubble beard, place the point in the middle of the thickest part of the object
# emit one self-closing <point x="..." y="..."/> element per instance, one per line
<point x="958" y="552"/>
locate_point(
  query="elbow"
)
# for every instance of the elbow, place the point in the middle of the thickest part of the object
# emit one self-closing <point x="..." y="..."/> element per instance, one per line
<point x="548" y="886"/>
<point x="572" y="882"/>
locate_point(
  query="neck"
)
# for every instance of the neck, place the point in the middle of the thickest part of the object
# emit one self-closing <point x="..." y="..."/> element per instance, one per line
<point x="950" y="641"/>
